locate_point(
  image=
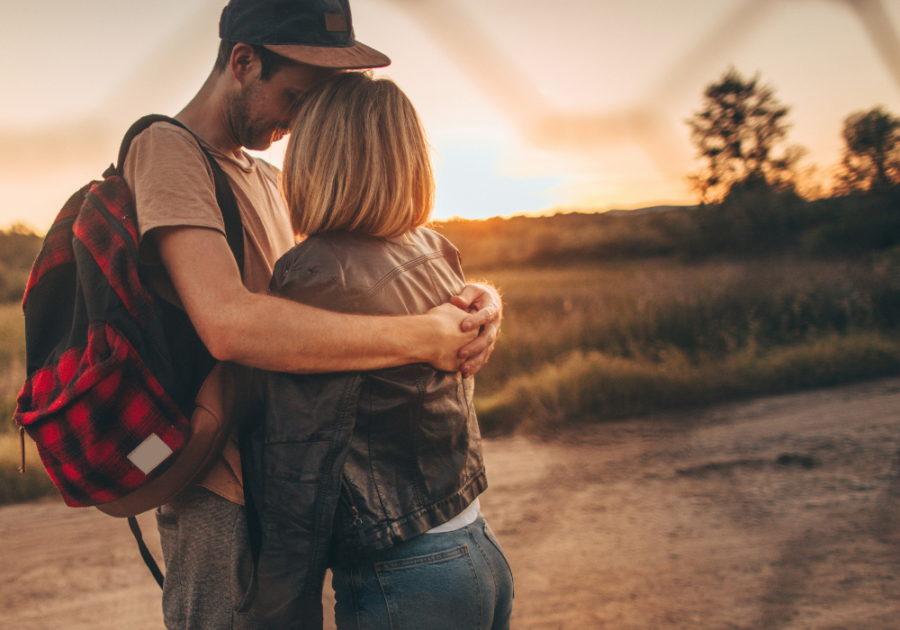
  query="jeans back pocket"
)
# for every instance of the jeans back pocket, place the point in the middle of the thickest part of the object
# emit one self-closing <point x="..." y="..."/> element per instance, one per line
<point x="439" y="591"/>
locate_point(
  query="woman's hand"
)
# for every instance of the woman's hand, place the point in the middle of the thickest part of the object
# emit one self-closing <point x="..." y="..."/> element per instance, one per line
<point x="483" y="303"/>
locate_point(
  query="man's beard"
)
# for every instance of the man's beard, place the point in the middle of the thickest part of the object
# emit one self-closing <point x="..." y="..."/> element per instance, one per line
<point x="250" y="132"/>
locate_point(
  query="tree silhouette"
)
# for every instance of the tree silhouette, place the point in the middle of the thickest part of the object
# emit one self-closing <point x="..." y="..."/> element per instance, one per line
<point x="871" y="158"/>
<point x="735" y="133"/>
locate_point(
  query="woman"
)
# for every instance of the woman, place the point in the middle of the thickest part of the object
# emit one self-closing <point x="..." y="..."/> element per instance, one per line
<point x="376" y="474"/>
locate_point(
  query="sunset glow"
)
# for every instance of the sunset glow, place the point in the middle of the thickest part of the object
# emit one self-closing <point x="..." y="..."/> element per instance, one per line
<point x="530" y="106"/>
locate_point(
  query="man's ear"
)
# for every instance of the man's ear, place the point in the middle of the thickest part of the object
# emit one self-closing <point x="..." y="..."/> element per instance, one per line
<point x="244" y="63"/>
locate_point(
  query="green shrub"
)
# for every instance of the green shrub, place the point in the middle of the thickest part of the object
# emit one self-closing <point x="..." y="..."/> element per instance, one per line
<point x="857" y="224"/>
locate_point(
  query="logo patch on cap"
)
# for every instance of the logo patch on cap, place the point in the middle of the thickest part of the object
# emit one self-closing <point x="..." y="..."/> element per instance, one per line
<point x="336" y="22"/>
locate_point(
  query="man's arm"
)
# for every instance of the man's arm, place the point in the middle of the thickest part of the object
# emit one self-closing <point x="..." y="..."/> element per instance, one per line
<point x="275" y="334"/>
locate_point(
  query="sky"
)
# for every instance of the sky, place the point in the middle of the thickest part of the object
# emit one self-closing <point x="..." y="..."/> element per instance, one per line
<point x="531" y="107"/>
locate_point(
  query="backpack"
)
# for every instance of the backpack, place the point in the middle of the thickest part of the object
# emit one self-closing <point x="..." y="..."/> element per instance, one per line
<point x="122" y="398"/>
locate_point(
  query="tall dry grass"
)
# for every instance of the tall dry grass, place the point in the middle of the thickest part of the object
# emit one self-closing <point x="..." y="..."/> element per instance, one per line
<point x="18" y="249"/>
<point x="623" y="334"/>
<point x="604" y="340"/>
<point x="657" y="308"/>
<point x="592" y="386"/>
<point x="12" y="335"/>
<point x="15" y="486"/>
<point x="12" y="361"/>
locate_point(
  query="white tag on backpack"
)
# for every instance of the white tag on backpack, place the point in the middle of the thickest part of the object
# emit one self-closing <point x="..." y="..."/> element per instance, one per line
<point x="151" y="453"/>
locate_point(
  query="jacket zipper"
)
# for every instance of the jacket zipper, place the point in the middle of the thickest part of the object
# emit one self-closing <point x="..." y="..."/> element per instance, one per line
<point x="351" y="505"/>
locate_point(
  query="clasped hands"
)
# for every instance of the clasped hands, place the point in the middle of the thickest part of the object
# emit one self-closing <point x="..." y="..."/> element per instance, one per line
<point x="468" y="326"/>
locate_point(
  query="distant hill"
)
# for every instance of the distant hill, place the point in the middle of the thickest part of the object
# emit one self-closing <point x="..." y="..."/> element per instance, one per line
<point x="649" y="210"/>
<point x="758" y="221"/>
<point x="563" y="238"/>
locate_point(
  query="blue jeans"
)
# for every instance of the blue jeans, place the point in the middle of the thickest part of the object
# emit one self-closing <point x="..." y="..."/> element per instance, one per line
<point x="459" y="580"/>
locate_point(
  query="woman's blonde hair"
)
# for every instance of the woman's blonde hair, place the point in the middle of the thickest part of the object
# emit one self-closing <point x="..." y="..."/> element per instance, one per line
<point x="357" y="160"/>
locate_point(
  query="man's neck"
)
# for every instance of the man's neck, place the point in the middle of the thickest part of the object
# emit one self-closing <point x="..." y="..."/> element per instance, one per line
<point x="207" y="116"/>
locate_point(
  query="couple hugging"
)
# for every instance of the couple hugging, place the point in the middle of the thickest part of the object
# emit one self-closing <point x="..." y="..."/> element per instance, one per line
<point x="362" y="449"/>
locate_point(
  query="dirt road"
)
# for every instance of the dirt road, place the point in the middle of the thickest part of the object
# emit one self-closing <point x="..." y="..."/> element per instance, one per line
<point x="777" y="513"/>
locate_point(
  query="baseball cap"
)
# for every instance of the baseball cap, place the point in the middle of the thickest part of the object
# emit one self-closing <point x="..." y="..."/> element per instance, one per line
<point x="314" y="32"/>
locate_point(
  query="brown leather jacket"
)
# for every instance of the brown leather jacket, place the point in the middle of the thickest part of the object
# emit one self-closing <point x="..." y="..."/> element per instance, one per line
<point x="341" y="464"/>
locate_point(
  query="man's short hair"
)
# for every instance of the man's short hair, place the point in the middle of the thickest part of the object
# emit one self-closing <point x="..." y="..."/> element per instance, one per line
<point x="270" y="62"/>
<point x="357" y="160"/>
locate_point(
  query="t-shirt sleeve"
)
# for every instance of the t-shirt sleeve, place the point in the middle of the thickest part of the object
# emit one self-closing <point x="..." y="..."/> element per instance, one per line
<point x="171" y="181"/>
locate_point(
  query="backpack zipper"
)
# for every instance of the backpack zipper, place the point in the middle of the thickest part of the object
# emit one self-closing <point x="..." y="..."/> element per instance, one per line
<point x="351" y="505"/>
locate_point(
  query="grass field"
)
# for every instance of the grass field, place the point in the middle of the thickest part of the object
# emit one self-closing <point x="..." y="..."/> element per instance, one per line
<point x="15" y="486"/>
<point x="603" y="340"/>
<point x="593" y="387"/>
<point x="12" y="361"/>
<point x="661" y="310"/>
<point x="12" y="336"/>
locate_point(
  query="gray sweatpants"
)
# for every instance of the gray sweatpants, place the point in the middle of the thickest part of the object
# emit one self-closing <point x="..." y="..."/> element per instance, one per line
<point x="208" y="562"/>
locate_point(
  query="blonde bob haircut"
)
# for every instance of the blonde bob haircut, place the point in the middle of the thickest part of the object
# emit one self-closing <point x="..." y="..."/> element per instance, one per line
<point x="357" y="160"/>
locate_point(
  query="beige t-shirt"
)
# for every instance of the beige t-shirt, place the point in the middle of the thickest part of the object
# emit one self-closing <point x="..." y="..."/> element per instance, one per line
<point x="172" y="185"/>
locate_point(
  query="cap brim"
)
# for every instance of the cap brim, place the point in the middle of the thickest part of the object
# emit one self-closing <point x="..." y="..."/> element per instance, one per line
<point x="356" y="57"/>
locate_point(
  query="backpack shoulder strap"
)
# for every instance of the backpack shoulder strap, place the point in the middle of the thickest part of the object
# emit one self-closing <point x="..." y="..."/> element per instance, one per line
<point x="234" y="234"/>
<point x="234" y="229"/>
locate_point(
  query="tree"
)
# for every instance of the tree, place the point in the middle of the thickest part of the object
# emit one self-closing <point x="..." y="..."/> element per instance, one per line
<point x="735" y="133"/>
<point x="871" y="158"/>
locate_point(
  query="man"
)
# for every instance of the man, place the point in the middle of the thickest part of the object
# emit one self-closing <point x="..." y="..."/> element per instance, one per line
<point x="272" y="51"/>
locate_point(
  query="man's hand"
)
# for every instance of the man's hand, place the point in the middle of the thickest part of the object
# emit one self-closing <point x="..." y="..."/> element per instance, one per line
<point x="483" y="302"/>
<point x="447" y="327"/>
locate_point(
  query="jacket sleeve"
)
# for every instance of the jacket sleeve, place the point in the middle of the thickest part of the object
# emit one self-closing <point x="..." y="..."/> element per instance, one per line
<point x="296" y="457"/>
